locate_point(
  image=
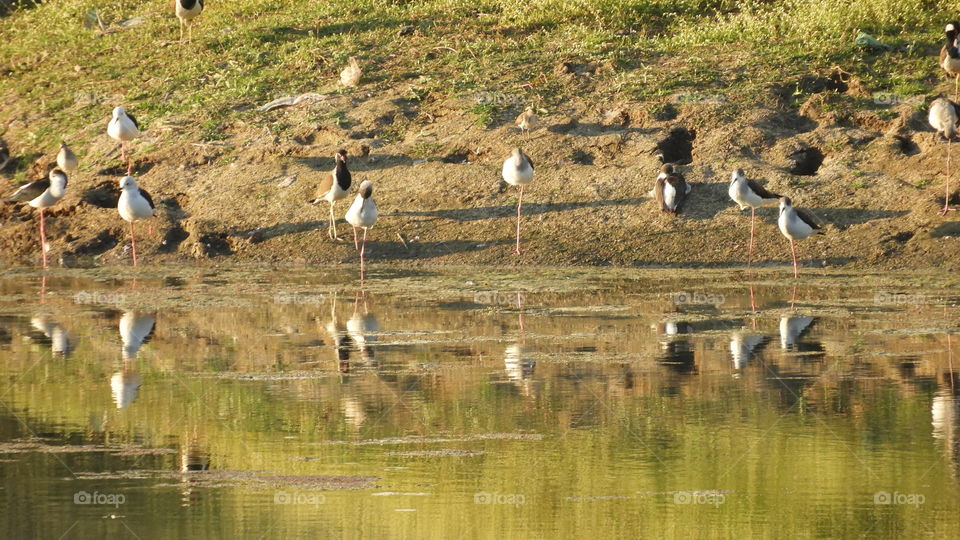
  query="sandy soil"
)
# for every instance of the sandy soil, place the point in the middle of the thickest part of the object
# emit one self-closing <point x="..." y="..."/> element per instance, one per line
<point x="875" y="180"/>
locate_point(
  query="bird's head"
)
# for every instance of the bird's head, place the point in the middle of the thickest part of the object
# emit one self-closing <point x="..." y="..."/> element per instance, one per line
<point x="951" y="27"/>
<point x="58" y="177"/>
<point x="118" y="112"/>
<point x="785" y="203"/>
<point x="63" y="145"/>
<point x="341" y="155"/>
<point x="667" y="168"/>
<point x="128" y="182"/>
<point x="366" y="189"/>
<point x="737" y="175"/>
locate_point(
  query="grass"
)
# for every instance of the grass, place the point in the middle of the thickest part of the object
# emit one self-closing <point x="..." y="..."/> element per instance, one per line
<point x="61" y="78"/>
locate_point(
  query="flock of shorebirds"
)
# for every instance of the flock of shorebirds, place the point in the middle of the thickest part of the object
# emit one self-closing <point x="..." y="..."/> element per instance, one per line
<point x="670" y="189"/>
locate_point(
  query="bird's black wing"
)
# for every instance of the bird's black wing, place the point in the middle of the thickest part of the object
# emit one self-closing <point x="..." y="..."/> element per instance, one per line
<point x="28" y="192"/>
<point x="680" y="186"/>
<point x="807" y="218"/>
<point x="763" y="192"/>
<point x="658" y="193"/>
<point x="134" y="120"/>
<point x="147" y="196"/>
<point x="530" y="161"/>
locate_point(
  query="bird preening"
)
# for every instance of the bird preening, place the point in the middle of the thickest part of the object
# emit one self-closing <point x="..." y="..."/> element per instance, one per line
<point x="670" y="190"/>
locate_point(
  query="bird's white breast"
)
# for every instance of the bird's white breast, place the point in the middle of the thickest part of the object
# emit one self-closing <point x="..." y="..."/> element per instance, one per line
<point x="133" y="206"/>
<point x="669" y="196"/>
<point x="517" y="174"/>
<point x="122" y="129"/>
<point x="792" y="226"/>
<point x="743" y="195"/>
<point x="362" y="213"/>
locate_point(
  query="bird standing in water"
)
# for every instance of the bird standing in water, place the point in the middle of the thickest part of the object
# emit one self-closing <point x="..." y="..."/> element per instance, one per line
<point x="749" y="193"/>
<point x="40" y="195"/>
<point x="135" y="204"/>
<point x="518" y="171"/>
<point x="334" y="187"/>
<point x="795" y="224"/>
<point x="363" y="214"/>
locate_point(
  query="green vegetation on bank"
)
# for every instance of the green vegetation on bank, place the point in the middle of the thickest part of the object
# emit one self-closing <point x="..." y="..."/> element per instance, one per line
<point x="60" y="73"/>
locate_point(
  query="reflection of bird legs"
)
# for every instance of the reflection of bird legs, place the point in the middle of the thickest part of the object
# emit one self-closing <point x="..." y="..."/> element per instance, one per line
<point x="950" y="360"/>
<point x="753" y="300"/>
<point x="520" y="309"/>
<point x="793" y="297"/>
<point x="43" y="288"/>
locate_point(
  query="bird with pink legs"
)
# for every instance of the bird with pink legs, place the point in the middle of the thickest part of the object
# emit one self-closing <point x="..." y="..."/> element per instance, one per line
<point x="362" y="213"/>
<point x="746" y="193"/>
<point x="135" y="204"/>
<point x="42" y="194"/>
<point x="518" y="171"/>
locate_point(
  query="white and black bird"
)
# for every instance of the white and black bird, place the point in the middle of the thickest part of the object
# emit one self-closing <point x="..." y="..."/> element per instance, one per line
<point x="792" y="328"/>
<point x="518" y="171"/>
<point x="123" y="128"/>
<point x="362" y="213"/>
<point x="52" y="330"/>
<point x="42" y="194"/>
<point x="670" y="190"/>
<point x="333" y="188"/>
<point x="350" y="76"/>
<point x="136" y="329"/>
<point x="4" y="154"/>
<point x="950" y="56"/>
<point x="186" y="11"/>
<point x="795" y="224"/>
<point x="135" y="204"/>
<point x="743" y="345"/>
<point x="124" y="386"/>
<point x="943" y="117"/>
<point x="67" y="160"/>
<point x="746" y="193"/>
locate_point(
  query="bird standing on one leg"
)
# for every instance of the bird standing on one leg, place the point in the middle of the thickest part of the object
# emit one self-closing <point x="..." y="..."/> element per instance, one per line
<point x="42" y="194"/>
<point x="67" y="160"/>
<point x="122" y="128"/>
<point x="950" y="56"/>
<point x="795" y="224"/>
<point x="670" y="190"/>
<point x="186" y="10"/>
<point x="334" y="187"/>
<point x="363" y="214"/>
<point x="134" y="204"/>
<point x="518" y="171"/>
<point x="943" y="117"/>
<point x="749" y="193"/>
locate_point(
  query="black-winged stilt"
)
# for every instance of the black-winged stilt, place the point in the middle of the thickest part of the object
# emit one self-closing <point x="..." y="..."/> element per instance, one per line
<point x="746" y="193"/>
<point x="943" y="117"/>
<point x="136" y="329"/>
<point x="67" y="160"/>
<point x="123" y="128"/>
<point x="670" y="190"/>
<point x="350" y="76"/>
<point x="518" y="171"/>
<point x="950" y="56"/>
<point x="135" y="204"/>
<point x="334" y="187"/>
<point x="186" y="10"/>
<point x="363" y="214"/>
<point x="42" y="194"/>
<point x="795" y="224"/>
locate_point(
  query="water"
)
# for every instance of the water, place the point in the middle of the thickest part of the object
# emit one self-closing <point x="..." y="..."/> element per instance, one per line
<point x="248" y="402"/>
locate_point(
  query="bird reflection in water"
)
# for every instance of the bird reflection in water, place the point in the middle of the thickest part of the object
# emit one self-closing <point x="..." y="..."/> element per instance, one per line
<point x="136" y="329"/>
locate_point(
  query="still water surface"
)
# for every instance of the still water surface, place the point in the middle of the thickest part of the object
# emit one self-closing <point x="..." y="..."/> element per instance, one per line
<point x="251" y="402"/>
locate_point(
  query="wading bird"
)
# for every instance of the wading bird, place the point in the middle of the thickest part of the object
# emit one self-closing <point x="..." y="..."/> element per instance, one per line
<point x="363" y="214"/>
<point x="333" y="188"/>
<point x="518" y="171"/>
<point x="795" y="224"/>
<point x="67" y="160"/>
<point x="186" y="11"/>
<point x="950" y="56"/>
<point x="670" y="190"/>
<point x="943" y="117"/>
<point x="122" y="128"/>
<point x="749" y="193"/>
<point x="350" y="76"/>
<point x="135" y="204"/>
<point x="40" y="195"/>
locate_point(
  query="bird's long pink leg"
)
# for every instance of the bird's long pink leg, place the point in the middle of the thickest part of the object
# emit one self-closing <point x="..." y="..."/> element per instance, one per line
<point x="793" y="249"/>
<point x="43" y="240"/>
<point x="946" y="195"/>
<point x="753" y="222"/>
<point x="356" y="245"/>
<point x="363" y="252"/>
<point x="133" y="243"/>
<point x="519" y="206"/>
